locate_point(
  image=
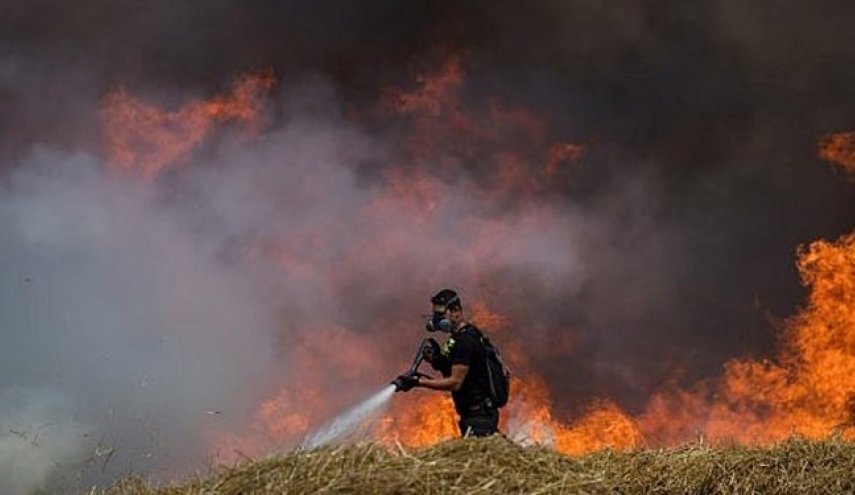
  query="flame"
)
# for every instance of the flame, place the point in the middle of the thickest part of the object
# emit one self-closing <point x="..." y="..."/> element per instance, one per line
<point x="327" y="354"/>
<point x="562" y="153"/>
<point x="839" y="148"/>
<point x="420" y="419"/>
<point x="803" y="391"/>
<point x="144" y="139"/>
<point x="437" y="93"/>
<point x="807" y="389"/>
<point x="289" y="414"/>
<point x="424" y="418"/>
<point x="511" y="142"/>
<point x="482" y="316"/>
<point x="530" y="420"/>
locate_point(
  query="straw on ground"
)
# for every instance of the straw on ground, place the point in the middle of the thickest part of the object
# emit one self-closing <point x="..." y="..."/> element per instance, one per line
<point x="497" y="465"/>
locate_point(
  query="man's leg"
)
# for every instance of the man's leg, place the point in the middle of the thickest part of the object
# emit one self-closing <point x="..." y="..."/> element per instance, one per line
<point x="483" y="424"/>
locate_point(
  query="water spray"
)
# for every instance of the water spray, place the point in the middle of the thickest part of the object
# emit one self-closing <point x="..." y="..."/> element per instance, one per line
<point x="347" y="422"/>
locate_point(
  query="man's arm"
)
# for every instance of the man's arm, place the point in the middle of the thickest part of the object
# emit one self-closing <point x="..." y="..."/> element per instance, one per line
<point x="436" y="359"/>
<point x="452" y="382"/>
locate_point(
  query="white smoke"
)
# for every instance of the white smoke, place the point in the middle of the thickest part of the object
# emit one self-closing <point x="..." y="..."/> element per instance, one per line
<point x="108" y="299"/>
<point x="38" y="434"/>
<point x="155" y="314"/>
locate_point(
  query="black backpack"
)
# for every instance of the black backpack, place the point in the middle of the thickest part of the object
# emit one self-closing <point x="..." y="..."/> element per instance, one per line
<point x="498" y="374"/>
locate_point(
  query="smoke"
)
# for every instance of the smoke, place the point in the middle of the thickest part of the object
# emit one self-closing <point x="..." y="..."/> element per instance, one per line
<point x="723" y="103"/>
<point x="112" y="302"/>
<point x="152" y="317"/>
<point x="39" y="435"/>
<point x="169" y="309"/>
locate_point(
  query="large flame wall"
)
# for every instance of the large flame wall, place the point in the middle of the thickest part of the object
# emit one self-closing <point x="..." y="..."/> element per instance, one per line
<point x="803" y="390"/>
<point x="219" y="224"/>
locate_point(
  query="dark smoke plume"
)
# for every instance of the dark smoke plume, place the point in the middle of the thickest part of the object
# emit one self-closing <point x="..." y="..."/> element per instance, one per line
<point x="130" y="311"/>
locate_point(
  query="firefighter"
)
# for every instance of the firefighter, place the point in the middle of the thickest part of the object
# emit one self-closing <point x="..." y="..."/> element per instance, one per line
<point x="462" y="363"/>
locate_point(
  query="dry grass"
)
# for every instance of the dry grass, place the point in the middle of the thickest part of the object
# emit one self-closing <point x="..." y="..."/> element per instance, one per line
<point x="496" y="465"/>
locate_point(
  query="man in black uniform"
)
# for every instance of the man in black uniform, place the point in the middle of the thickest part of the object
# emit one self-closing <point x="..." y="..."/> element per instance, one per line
<point x="462" y="362"/>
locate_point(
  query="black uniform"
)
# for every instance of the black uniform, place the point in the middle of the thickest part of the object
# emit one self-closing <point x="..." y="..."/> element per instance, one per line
<point x="478" y="417"/>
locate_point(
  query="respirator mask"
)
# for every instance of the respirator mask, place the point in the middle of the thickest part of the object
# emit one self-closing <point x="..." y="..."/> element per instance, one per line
<point x="438" y="322"/>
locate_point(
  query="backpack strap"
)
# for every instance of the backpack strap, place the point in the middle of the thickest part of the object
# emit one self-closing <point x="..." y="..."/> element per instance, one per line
<point x="477" y="332"/>
<point x="488" y="347"/>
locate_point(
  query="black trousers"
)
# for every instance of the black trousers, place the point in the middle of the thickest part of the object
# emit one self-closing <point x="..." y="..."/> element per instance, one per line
<point x="482" y="423"/>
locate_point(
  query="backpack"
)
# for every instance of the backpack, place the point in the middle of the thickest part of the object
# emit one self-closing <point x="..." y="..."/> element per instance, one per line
<point x="498" y="374"/>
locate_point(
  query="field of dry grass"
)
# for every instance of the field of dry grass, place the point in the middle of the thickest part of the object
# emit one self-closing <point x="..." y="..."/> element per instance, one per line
<point x="496" y="465"/>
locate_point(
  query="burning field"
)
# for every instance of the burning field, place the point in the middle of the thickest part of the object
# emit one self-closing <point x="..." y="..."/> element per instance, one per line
<point x="209" y="253"/>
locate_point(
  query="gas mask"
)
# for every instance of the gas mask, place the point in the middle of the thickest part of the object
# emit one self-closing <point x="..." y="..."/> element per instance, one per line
<point x="439" y="323"/>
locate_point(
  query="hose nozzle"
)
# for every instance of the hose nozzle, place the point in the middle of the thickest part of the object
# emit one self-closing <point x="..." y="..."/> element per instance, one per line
<point x="407" y="381"/>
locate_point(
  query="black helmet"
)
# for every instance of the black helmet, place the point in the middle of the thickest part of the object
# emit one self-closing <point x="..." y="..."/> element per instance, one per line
<point x="442" y="301"/>
<point x="447" y="298"/>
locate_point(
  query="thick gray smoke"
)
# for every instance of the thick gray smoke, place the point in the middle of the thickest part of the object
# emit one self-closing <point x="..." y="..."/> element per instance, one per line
<point x="121" y="328"/>
<point x="142" y="322"/>
<point x="43" y="445"/>
<point x="724" y="102"/>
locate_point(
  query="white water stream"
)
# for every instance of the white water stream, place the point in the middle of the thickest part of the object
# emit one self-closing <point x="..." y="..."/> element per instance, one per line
<point x="348" y="421"/>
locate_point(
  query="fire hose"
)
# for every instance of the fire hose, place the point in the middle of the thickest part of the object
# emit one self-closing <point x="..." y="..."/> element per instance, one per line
<point x="407" y="380"/>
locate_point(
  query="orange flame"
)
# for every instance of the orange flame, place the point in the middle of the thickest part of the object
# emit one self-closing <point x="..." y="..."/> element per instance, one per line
<point x="426" y="418"/>
<point x="561" y="153"/>
<point x="839" y="148"/>
<point x="445" y="132"/>
<point x="144" y="139"/>
<point x="418" y="420"/>
<point x="807" y="390"/>
<point x="515" y="142"/>
<point x="530" y="419"/>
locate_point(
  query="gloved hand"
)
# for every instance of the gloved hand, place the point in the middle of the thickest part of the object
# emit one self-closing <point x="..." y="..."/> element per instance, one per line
<point x="430" y="350"/>
<point x="405" y="382"/>
<point x="432" y="354"/>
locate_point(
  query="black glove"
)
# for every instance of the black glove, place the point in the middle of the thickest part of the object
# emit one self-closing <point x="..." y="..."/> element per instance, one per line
<point x="433" y="355"/>
<point x="431" y="351"/>
<point x="405" y="382"/>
